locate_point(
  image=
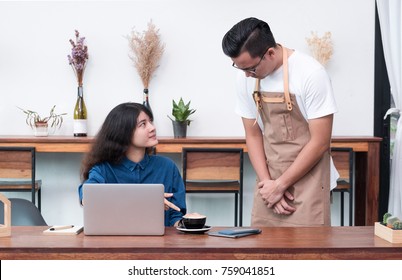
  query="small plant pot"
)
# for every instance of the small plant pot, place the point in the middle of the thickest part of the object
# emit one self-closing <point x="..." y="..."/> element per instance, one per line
<point x="179" y="129"/>
<point x="389" y="234"/>
<point x="41" y="129"/>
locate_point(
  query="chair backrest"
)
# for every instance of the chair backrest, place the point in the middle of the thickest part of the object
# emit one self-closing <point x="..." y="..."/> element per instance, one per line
<point x="23" y="213"/>
<point x="212" y="164"/>
<point x="17" y="163"/>
<point x="343" y="161"/>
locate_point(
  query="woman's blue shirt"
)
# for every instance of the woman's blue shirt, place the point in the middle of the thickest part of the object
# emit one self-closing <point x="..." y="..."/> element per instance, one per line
<point x="153" y="169"/>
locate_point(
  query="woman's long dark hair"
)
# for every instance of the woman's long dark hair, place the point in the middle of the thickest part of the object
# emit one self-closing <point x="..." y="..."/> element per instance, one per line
<point x="114" y="138"/>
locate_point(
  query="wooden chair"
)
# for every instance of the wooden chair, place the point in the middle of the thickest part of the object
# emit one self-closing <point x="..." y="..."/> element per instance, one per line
<point x="17" y="172"/>
<point x="344" y="162"/>
<point x="215" y="170"/>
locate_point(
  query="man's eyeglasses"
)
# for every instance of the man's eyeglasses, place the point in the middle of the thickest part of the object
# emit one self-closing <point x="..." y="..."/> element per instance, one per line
<point x="251" y="70"/>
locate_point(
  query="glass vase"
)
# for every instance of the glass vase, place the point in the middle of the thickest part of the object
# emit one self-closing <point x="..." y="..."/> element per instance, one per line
<point x="80" y="115"/>
<point x="146" y="100"/>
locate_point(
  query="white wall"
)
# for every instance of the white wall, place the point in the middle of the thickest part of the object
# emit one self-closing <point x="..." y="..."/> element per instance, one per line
<point x="34" y="72"/>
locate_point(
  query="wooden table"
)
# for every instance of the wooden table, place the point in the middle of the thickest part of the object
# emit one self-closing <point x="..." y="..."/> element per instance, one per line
<point x="272" y="243"/>
<point x="367" y="151"/>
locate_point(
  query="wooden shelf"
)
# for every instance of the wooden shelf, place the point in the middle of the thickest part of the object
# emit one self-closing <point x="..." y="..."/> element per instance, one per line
<point x="367" y="159"/>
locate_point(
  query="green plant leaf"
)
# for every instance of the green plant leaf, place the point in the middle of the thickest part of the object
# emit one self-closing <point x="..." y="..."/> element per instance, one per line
<point x="181" y="111"/>
<point x="53" y="119"/>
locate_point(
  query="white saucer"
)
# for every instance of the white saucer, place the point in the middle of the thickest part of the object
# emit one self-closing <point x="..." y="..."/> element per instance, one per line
<point x="193" y="230"/>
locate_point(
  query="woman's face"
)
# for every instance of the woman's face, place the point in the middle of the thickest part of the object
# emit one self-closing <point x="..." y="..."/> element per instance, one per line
<point x="145" y="132"/>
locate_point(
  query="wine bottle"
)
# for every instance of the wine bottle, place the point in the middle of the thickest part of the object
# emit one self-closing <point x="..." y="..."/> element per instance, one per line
<point x="80" y="115"/>
<point x="146" y="100"/>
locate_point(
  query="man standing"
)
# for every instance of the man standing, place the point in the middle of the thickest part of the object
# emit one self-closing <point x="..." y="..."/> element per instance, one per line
<point x="286" y="103"/>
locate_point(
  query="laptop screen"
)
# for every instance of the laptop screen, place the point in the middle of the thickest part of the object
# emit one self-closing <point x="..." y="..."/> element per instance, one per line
<point x="123" y="209"/>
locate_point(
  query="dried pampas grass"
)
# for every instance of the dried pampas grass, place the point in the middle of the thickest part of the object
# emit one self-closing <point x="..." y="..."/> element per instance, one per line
<point x="146" y="51"/>
<point x="321" y="48"/>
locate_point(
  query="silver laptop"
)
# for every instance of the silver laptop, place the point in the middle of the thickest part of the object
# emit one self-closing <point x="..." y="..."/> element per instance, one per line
<point x="123" y="209"/>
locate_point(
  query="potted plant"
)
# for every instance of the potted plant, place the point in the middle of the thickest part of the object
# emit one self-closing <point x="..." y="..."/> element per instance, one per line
<point x="41" y="124"/>
<point x="181" y="113"/>
<point x="390" y="228"/>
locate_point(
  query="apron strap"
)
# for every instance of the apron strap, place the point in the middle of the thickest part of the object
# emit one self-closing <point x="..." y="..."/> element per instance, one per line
<point x="257" y="94"/>
<point x="286" y="79"/>
<point x="258" y="98"/>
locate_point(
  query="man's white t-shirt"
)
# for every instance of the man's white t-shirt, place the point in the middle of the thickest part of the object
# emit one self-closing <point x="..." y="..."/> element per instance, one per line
<point x="308" y="81"/>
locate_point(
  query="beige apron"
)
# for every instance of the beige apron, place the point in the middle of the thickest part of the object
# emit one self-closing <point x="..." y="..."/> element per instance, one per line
<point x="286" y="132"/>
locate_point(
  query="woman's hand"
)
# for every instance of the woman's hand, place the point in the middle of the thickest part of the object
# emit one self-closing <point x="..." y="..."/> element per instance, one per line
<point x="168" y="204"/>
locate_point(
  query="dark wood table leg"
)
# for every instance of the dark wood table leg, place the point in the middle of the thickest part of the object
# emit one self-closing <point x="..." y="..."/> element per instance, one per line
<point x="367" y="187"/>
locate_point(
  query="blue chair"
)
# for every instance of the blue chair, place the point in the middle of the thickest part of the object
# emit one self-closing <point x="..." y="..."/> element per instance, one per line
<point x="23" y="213"/>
